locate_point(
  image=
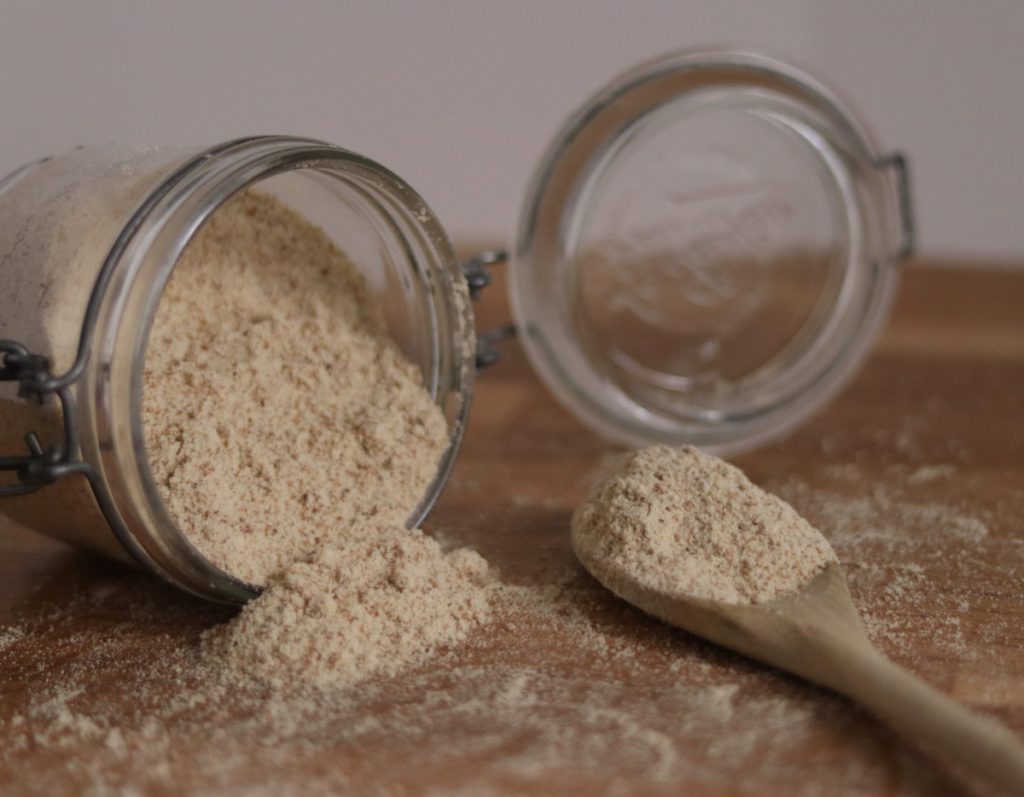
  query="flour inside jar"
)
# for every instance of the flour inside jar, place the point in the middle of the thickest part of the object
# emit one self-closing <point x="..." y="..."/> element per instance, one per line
<point x="278" y="414"/>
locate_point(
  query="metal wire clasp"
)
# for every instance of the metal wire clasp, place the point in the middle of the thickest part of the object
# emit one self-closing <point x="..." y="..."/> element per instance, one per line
<point x="897" y="162"/>
<point x="478" y="276"/>
<point x="43" y="465"/>
<point x="40" y="466"/>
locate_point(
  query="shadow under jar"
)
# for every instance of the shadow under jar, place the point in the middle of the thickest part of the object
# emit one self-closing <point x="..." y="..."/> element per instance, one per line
<point x="705" y="254"/>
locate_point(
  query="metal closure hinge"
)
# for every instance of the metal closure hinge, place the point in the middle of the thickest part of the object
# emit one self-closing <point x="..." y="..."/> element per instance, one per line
<point x="41" y="465"/>
<point x="897" y="163"/>
<point x="44" y="465"/>
<point x="478" y="277"/>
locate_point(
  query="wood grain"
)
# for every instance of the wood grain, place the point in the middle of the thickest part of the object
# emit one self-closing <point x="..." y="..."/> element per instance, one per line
<point x="935" y="421"/>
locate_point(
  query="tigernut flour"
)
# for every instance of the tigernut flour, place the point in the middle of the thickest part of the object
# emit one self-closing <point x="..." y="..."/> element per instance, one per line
<point x="563" y="689"/>
<point x="686" y="523"/>
<point x="278" y="414"/>
<point x="371" y="606"/>
<point x="290" y="440"/>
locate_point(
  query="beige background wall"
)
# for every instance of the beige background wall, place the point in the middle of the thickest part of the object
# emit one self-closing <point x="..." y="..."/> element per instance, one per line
<point x="461" y="97"/>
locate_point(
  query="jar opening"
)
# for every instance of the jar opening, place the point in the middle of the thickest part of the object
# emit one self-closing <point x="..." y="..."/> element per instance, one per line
<point x="390" y="235"/>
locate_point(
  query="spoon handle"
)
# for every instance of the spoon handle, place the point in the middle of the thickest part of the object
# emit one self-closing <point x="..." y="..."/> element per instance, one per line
<point x="915" y="708"/>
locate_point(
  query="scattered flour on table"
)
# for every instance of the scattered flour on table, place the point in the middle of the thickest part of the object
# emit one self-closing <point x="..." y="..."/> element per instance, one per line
<point x="562" y="689"/>
<point x="683" y="522"/>
<point x="881" y="513"/>
<point x="891" y="544"/>
<point x="601" y="707"/>
<point x="931" y="473"/>
<point x="9" y="635"/>
<point x="278" y="414"/>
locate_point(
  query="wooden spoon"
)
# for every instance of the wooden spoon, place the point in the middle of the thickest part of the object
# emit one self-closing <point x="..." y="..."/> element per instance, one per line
<point x="817" y="634"/>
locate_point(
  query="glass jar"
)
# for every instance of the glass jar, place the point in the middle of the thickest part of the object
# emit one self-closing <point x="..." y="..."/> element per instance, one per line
<point x="705" y="254"/>
<point x="707" y="251"/>
<point x="89" y="239"/>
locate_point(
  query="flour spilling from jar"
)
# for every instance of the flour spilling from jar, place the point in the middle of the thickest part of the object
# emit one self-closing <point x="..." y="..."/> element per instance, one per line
<point x="290" y="440"/>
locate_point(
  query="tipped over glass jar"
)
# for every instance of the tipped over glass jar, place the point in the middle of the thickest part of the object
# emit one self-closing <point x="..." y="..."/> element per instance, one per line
<point x="705" y="254"/>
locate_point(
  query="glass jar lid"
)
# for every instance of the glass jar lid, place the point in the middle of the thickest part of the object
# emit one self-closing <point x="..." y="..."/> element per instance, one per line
<point x="706" y="252"/>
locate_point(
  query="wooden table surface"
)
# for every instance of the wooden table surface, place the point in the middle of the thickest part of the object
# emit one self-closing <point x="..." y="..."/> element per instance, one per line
<point x="916" y="473"/>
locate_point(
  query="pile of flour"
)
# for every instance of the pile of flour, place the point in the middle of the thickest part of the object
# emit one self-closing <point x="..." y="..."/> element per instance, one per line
<point x="686" y="523"/>
<point x="370" y="606"/>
